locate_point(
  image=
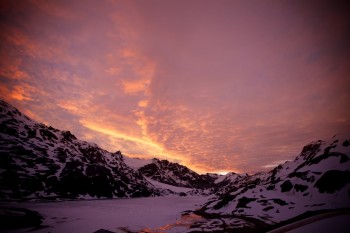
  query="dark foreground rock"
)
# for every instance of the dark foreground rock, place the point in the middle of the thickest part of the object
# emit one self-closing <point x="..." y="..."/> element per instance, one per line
<point x="15" y="218"/>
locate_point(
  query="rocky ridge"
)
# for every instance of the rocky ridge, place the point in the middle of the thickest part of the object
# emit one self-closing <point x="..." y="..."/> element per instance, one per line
<point x="176" y="174"/>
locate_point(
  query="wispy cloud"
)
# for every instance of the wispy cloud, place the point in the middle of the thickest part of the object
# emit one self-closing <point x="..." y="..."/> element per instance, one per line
<point x="220" y="86"/>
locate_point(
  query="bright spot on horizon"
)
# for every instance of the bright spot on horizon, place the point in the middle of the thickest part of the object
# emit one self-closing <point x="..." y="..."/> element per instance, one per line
<point x="222" y="172"/>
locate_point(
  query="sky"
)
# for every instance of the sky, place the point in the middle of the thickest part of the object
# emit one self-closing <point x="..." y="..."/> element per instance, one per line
<point x="217" y="86"/>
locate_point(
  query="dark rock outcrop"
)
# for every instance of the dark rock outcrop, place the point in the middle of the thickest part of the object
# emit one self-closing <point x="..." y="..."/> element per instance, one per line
<point x="16" y="218"/>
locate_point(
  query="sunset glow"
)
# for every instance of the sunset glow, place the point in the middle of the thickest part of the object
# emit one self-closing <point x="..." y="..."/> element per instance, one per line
<point x="217" y="86"/>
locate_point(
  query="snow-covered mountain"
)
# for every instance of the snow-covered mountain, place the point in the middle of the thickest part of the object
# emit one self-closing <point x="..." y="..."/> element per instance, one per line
<point x="234" y="181"/>
<point x="317" y="180"/>
<point x="136" y="163"/>
<point x="37" y="161"/>
<point x="176" y="174"/>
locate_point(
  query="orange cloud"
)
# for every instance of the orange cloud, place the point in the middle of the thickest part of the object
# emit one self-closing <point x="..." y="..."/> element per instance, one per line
<point x="194" y="134"/>
<point x="10" y="69"/>
<point x="143" y="68"/>
<point x="5" y="93"/>
<point x="86" y="109"/>
<point x="20" y="92"/>
<point x="73" y="108"/>
<point x="54" y="49"/>
<point x="142" y="143"/>
<point x="141" y="78"/>
<point x="32" y="115"/>
<point x="148" y="145"/>
<point x="113" y="71"/>
<point x="128" y="53"/>
<point x="143" y="103"/>
<point x="134" y="87"/>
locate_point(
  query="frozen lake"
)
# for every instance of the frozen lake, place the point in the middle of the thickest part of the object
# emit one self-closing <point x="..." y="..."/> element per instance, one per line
<point x="88" y="216"/>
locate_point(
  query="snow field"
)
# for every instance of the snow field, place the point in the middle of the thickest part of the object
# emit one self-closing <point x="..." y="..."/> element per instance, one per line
<point x="90" y="216"/>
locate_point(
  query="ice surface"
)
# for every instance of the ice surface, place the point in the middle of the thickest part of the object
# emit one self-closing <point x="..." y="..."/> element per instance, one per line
<point x="89" y="216"/>
<point x="167" y="186"/>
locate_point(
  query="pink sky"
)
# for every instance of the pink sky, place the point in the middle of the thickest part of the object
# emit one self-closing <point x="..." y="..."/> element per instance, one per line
<point x="215" y="85"/>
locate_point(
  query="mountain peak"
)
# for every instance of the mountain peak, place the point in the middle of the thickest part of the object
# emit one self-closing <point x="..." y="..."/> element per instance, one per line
<point x="175" y="174"/>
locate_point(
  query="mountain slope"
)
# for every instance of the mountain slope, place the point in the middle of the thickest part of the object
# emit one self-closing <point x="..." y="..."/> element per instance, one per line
<point x="176" y="174"/>
<point x="37" y="161"/>
<point x="317" y="180"/>
<point x="233" y="181"/>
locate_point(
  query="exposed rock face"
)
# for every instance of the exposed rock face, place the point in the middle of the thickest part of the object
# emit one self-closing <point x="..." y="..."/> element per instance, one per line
<point x="176" y="174"/>
<point x="37" y="161"/>
<point x="333" y="181"/>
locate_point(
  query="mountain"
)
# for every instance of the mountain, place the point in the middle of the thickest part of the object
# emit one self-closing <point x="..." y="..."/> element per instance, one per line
<point x="317" y="180"/>
<point x="176" y="174"/>
<point x="173" y="178"/>
<point x="37" y="161"/>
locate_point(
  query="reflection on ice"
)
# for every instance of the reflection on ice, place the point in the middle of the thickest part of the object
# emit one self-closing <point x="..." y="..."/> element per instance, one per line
<point x="181" y="225"/>
<point x="191" y="222"/>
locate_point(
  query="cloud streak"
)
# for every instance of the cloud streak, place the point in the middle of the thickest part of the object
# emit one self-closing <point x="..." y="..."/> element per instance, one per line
<point x="218" y="86"/>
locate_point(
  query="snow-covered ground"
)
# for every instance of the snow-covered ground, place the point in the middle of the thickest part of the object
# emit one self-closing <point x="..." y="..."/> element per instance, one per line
<point x="136" y="163"/>
<point x="90" y="216"/>
<point x="167" y="186"/>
